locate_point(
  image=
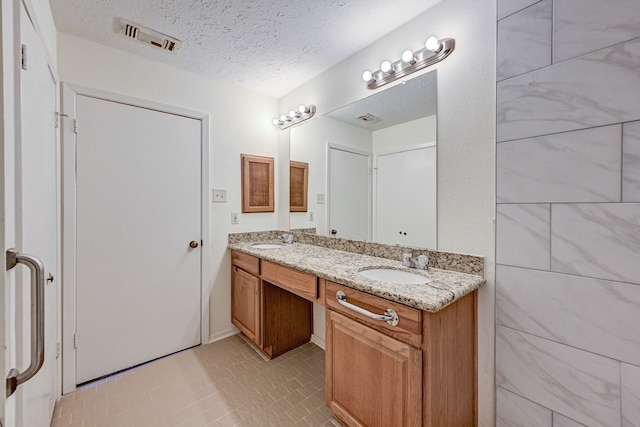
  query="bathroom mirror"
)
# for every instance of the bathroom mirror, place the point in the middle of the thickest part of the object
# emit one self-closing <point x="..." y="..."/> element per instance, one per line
<point x="372" y="167"/>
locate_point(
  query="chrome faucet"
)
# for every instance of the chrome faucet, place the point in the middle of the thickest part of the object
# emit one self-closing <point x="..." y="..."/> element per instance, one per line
<point x="421" y="263"/>
<point x="286" y="238"/>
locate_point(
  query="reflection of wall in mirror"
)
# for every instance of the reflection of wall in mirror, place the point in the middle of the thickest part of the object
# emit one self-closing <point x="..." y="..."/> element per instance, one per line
<point x="309" y="144"/>
<point x="415" y="132"/>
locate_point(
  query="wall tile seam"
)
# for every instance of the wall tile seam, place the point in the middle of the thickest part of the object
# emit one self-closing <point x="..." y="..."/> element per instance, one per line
<point x="522" y="397"/>
<point x="578" y="56"/>
<point x="554" y="413"/>
<point x="620" y="362"/>
<point x="551" y="47"/>
<point x="517" y="11"/>
<point x="564" y="273"/>
<point x="585" y="53"/>
<point x="627" y="202"/>
<point x="569" y="131"/>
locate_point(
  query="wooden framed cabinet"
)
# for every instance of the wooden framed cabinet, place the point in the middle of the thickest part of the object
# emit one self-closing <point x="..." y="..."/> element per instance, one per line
<point x="421" y="371"/>
<point x="271" y="304"/>
<point x="245" y="304"/>
<point x="372" y="379"/>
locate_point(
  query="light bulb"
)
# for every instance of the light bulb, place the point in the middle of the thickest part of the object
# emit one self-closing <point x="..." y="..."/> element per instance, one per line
<point x="367" y="76"/>
<point x="302" y="108"/>
<point x="293" y="114"/>
<point x="275" y="122"/>
<point x="433" y="44"/>
<point x="386" y="67"/>
<point x="283" y="118"/>
<point x="407" y="56"/>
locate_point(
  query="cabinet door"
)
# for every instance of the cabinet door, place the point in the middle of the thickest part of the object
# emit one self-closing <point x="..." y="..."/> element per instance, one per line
<point x="372" y="379"/>
<point x="245" y="303"/>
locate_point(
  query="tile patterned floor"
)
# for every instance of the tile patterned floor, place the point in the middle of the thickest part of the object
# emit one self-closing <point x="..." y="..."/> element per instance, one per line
<point x="221" y="384"/>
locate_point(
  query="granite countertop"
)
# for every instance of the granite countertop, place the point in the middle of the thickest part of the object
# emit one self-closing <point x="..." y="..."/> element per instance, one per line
<point x="343" y="268"/>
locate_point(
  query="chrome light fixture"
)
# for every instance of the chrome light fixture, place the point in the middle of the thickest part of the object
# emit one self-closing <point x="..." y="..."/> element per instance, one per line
<point x="304" y="112"/>
<point x="434" y="51"/>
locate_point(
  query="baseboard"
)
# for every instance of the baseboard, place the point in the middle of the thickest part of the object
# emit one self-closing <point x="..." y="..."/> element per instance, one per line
<point x="320" y="342"/>
<point x="223" y="334"/>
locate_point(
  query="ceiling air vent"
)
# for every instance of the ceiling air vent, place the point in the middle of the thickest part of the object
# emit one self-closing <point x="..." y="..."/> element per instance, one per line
<point x="148" y="36"/>
<point x="369" y="118"/>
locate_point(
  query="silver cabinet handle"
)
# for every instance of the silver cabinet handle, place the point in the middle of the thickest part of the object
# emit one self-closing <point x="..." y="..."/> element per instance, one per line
<point x="15" y="377"/>
<point x="389" y="316"/>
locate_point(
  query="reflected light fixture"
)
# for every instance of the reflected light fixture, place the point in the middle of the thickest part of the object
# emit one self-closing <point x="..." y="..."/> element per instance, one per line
<point x="434" y="51"/>
<point x="304" y="112"/>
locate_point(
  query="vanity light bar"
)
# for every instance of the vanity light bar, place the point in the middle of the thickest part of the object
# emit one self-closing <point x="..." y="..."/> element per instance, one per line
<point x="435" y="50"/>
<point x="304" y="112"/>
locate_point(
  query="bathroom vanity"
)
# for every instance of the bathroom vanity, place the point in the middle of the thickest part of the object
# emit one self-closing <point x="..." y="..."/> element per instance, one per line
<point x="416" y="365"/>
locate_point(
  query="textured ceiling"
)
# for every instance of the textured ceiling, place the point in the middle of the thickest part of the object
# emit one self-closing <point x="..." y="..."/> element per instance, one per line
<point x="267" y="46"/>
<point x="412" y="100"/>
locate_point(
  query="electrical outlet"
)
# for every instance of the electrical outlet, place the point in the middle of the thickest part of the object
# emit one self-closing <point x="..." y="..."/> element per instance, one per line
<point x="320" y="198"/>
<point x="219" y="195"/>
<point x="235" y="218"/>
<point x="310" y="215"/>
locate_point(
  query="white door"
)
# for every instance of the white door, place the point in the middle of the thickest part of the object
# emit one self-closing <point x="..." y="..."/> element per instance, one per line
<point x="137" y="208"/>
<point x="349" y="193"/>
<point x="36" y="231"/>
<point x="405" y="199"/>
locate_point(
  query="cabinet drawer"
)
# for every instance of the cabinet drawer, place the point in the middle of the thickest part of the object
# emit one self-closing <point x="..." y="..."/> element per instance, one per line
<point x="409" y="327"/>
<point x="246" y="262"/>
<point x="302" y="284"/>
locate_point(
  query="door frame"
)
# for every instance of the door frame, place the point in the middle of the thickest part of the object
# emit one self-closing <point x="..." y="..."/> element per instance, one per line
<point x="69" y="317"/>
<point x="374" y="202"/>
<point x="334" y="146"/>
<point x="10" y="143"/>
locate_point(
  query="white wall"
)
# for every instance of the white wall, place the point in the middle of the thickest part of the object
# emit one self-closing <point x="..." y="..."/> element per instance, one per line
<point x="466" y="135"/>
<point x="309" y="144"/>
<point x="240" y="122"/>
<point x="415" y="132"/>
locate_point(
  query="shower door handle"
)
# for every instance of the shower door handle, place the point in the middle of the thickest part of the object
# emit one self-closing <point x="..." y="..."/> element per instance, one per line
<point x="15" y="377"/>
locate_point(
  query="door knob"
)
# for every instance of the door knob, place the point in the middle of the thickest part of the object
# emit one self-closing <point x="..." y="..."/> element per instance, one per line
<point x="193" y="244"/>
<point x="334" y="231"/>
<point x="50" y="278"/>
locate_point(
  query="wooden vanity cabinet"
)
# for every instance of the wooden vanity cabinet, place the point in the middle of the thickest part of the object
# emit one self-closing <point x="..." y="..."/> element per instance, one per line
<point x="371" y="378"/>
<point x="246" y="296"/>
<point x="421" y="372"/>
<point x="271" y="304"/>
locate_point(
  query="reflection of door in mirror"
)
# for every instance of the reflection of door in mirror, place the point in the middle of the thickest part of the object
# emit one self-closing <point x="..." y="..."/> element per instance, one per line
<point x="348" y="195"/>
<point x="406" y="177"/>
<point x="393" y="120"/>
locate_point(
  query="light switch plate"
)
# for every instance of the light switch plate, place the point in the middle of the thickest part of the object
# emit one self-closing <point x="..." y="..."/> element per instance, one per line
<point x="320" y="198"/>
<point x="235" y="218"/>
<point x="310" y="215"/>
<point x="219" y="195"/>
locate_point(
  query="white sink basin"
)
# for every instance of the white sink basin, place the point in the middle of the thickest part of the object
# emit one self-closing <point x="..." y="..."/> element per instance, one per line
<point x="390" y="275"/>
<point x="266" y="246"/>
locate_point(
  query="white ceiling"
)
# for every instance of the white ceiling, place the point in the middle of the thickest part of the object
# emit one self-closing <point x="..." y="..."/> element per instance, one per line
<point x="267" y="46"/>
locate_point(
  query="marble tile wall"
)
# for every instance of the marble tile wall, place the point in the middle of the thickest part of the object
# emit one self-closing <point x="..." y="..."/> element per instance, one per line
<point x="631" y="162"/>
<point x="521" y="51"/>
<point x="568" y="213"/>
<point x="516" y="411"/>
<point x="580" y="385"/>
<point x="630" y="395"/>
<point x="562" y="421"/>
<point x="576" y="32"/>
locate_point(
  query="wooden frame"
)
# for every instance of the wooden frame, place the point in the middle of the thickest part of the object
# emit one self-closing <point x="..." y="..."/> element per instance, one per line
<point x="298" y="186"/>
<point x="257" y="183"/>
